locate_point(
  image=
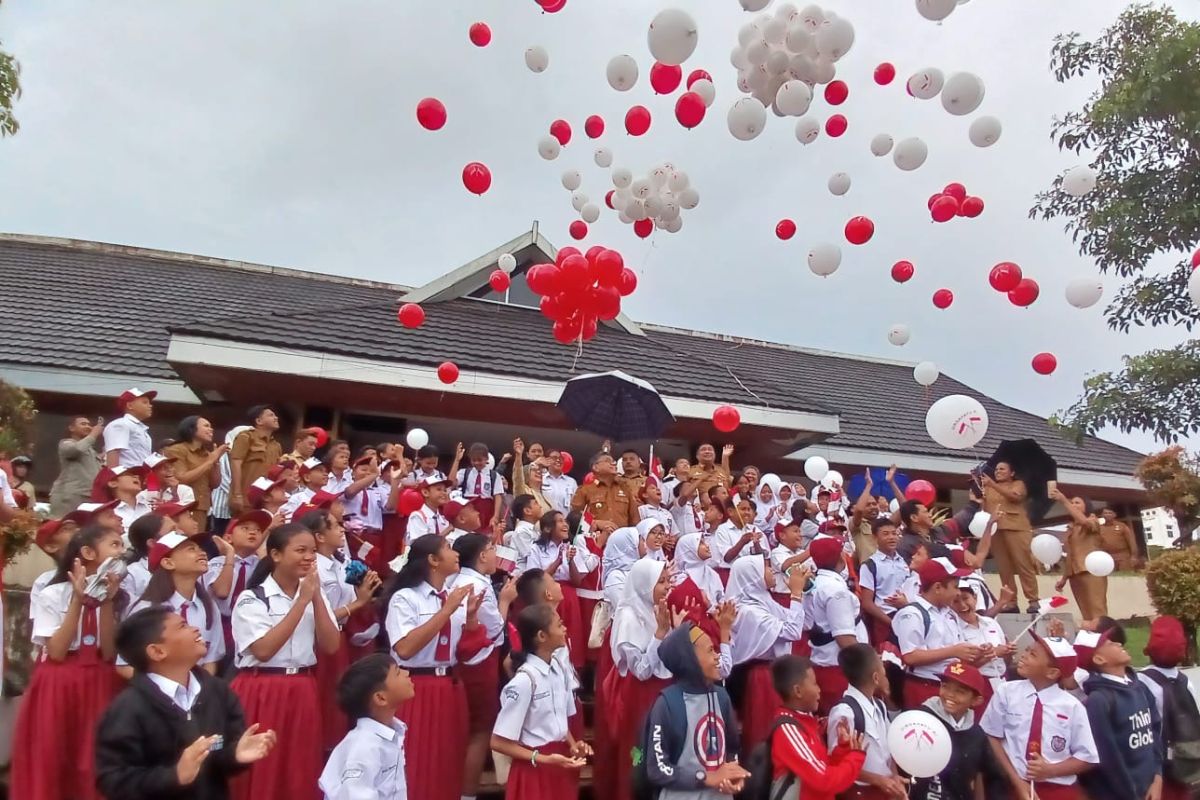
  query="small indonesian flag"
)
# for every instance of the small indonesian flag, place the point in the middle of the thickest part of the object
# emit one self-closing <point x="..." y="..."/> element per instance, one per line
<point x="1048" y="604"/>
<point x="506" y="559"/>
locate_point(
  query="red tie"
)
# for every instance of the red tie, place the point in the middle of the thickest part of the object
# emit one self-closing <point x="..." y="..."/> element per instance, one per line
<point x="90" y="636"/>
<point x="239" y="585"/>
<point x="183" y="612"/>
<point x="1034" y="746"/>
<point x="478" y="483"/>
<point x="364" y="502"/>
<point x="441" y="653"/>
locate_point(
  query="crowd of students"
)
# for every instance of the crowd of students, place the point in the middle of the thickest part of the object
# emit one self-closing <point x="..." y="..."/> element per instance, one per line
<point x="237" y="621"/>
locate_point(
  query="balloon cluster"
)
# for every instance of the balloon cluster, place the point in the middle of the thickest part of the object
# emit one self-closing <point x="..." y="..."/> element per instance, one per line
<point x="953" y="201"/>
<point x="1006" y="277"/>
<point x="579" y="290"/>
<point x="655" y="200"/>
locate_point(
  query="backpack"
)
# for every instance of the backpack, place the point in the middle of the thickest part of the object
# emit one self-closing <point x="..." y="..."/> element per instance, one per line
<point x="1181" y="729"/>
<point x="761" y="767"/>
<point x="495" y="476"/>
<point x="677" y="737"/>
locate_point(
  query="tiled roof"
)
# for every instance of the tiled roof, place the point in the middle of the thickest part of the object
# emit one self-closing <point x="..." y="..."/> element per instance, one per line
<point x="84" y="306"/>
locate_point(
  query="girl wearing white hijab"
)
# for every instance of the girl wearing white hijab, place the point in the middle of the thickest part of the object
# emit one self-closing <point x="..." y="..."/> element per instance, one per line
<point x="652" y="534"/>
<point x="620" y="553"/>
<point x="768" y="505"/>
<point x="692" y="562"/>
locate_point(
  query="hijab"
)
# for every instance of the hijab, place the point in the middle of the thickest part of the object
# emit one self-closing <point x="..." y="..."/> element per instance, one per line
<point x="620" y="553"/>
<point x="643" y="528"/>
<point x="760" y="618"/>
<point x="690" y="565"/>
<point x="635" y="622"/>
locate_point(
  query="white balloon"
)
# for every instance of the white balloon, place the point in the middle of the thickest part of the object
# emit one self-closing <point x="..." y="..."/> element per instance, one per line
<point x="1194" y="287"/>
<point x="507" y="263"/>
<point x="918" y="741"/>
<point x="755" y="5"/>
<point x="689" y="198"/>
<point x="748" y="33"/>
<point x="417" y="438"/>
<point x="962" y="93"/>
<point x="979" y="523"/>
<point x="706" y="90"/>
<point x="571" y="179"/>
<point x="757" y="52"/>
<point x="812" y="17"/>
<point x="910" y="154"/>
<point x="794" y="98"/>
<point x="590" y="213"/>
<point x="620" y="199"/>
<point x="1084" y="292"/>
<point x="926" y="373"/>
<point x="839" y="184"/>
<point x="881" y="145"/>
<point x="816" y="468"/>
<point x="737" y="57"/>
<point x="1078" y="181"/>
<point x="823" y="70"/>
<point x="957" y="422"/>
<point x="674" y="225"/>
<point x="537" y="59"/>
<point x="807" y="130"/>
<point x="777" y="62"/>
<point x="926" y="84"/>
<point x="832" y="478"/>
<point x="622" y="73"/>
<point x="774" y="31"/>
<point x="670" y="210"/>
<point x="641" y="188"/>
<point x="654" y="205"/>
<point x="1047" y="548"/>
<point x="672" y="37"/>
<point x="824" y="259"/>
<point x="624" y="217"/>
<point x="984" y="131"/>
<point x="802" y="68"/>
<point x="835" y="38"/>
<point x="786" y="12"/>
<point x="549" y="148"/>
<point x="894" y="506"/>
<point x="622" y="178"/>
<point x="936" y="10"/>
<point x="578" y="200"/>
<point x="799" y="40"/>
<point x="1099" y="563"/>
<point x="899" y="334"/>
<point x="747" y="118"/>
<point x="603" y="157"/>
<point x="636" y="209"/>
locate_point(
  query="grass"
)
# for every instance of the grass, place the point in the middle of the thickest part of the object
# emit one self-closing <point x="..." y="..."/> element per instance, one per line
<point x="1135" y="643"/>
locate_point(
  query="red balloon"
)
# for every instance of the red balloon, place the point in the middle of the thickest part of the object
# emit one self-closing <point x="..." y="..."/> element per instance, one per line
<point x="902" y="271"/>
<point x="568" y="462"/>
<point x="698" y="75"/>
<point x="1196" y="259"/>
<point x="942" y="298"/>
<point x="1026" y="292"/>
<point x="836" y="93"/>
<point x="447" y="372"/>
<point x="971" y="207"/>
<point x="593" y="126"/>
<point x="589" y="329"/>
<point x="955" y="190"/>
<point x="560" y="129"/>
<point x="836" y="125"/>
<point x="322" y="436"/>
<point x="627" y="283"/>
<point x="726" y="419"/>
<point x="593" y="253"/>
<point x="544" y="279"/>
<point x="885" y="73"/>
<point x="499" y="280"/>
<point x="689" y="109"/>
<point x="921" y="491"/>
<point x="552" y="309"/>
<point x="1005" y="276"/>
<point x="476" y="177"/>
<point x="431" y="114"/>
<point x="411" y="315"/>
<point x="589" y="478"/>
<point x="643" y="228"/>
<point x="575" y="272"/>
<point x="637" y="120"/>
<point x="608" y="267"/>
<point x="785" y="229"/>
<point x="859" y="230"/>
<point x="664" y="78"/>
<point x="944" y="208"/>
<point x="605" y="302"/>
<point x="552" y="6"/>
<point x="1044" y="363"/>
<point x="933" y="198"/>
<point x="410" y="500"/>
<point x="566" y="252"/>
<point x="480" y="34"/>
<point x="608" y="199"/>
<point x="578" y="229"/>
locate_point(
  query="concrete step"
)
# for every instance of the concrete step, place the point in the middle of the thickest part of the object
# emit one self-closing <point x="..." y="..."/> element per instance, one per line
<point x="1013" y="624"/>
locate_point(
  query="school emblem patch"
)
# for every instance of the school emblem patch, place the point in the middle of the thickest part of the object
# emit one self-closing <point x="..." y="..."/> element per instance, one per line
<point x="1058" y="744"/>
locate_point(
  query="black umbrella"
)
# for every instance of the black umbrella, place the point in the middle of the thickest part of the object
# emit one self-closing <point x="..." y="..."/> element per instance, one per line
<point x="616" y="406"/>
<point x="1032" y="465"/>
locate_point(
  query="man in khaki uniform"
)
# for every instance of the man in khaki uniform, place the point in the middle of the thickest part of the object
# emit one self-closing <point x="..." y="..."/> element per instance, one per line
<point x="1119" y="541"/>
<point x="610" y="497"/>
<point x="708" y="473"/>
<point x="254" y="453"/>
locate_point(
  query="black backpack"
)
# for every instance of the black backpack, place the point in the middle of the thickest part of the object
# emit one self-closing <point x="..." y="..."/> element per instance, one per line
<point x="643" y="788"/>
<point x="1181" y="729"/>
<point x="761" y="767"/>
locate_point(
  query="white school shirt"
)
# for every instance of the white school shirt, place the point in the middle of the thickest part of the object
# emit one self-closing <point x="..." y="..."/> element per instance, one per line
<point x="39" y="583"/>
<point x="336" y="484"/>
<point x="294" y="501"/>
<point x="542" y="556"/>
<point x="779" y="555"/>
<point x="687" y="517"/>
<point x="988" y="631"/>
<point x="411" y="608"/>
<point x="137" y="577"/>
<point x="182" y="494"/>
<point x="367" y="764"/>
<point x="6" y="493"/>
<point x="215" y="565"/>
<point x="875" y="721"/>
<point x="725" y="537"/>
<point x="832" y="607"/>
<point x="885" y="578"/>
<point x="559" y="491"/>
<point x="48" y="608"/>
<point x="909" y="627"/>
<point x="184" y="697"/>
<point x="521" y="539"/>
<point x="489" y="612"/>
<point x="647" y="511"/>
<point x="130" y="513"/>
<point x="474" y="483"/>
<point x="535" y="704"/>
<point x="132" y="437"/>
<point x="333" y="582"/>
<point x="1156" y="690"/>
<point x="213" y="633"/>
<point x="1065" y="729"/>
<point x="375" y="500"/>
<point x="425" y="521"/>
<point x="747" y="633"/>
<point x="253" y="619"/>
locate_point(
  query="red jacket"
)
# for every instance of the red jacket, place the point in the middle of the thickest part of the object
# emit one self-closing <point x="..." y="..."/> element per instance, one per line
<point x="800" y="750"/>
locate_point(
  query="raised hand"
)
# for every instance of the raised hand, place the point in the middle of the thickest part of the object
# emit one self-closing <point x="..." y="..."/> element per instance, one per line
<point x="79" y="579"/>
<point x="508" y="592"/>
<point x="188" y="766"/>
<point x="254" y="746"/>
<point x="370" y="583"/>
<point x="797" y="579"/>
<point x="112" y="585"/>
<point x="891" y="473"/>
<point x="727" y="451"/>
<point x="309" y="585"/>
<point x="459" y="452"/>
<point x="725" y="615"/>
<point x="456" y="597"/>
<point x="518" y="447"/>
<point x="224" y="548"/>
<point x="662" y="616"/>
<point x="474" y="601"/>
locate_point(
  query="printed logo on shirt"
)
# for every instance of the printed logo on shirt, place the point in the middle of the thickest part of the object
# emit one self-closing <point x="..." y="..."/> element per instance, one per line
<point x="708" y="741"/>
<point x="352" y="774"/>
<point x="512" y="694"/>
<point x="1058" y="744"/>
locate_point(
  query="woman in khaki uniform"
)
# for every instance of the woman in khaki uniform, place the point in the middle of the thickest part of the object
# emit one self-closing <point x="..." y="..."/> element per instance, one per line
<point x="1004" y="498"/>
<point x="1119" y="541"/>
<point x="1083" y="537"/>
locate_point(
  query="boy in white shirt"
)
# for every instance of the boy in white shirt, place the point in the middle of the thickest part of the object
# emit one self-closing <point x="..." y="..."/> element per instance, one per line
<point x="866" y="714"/>
<point x="480" y="485"/>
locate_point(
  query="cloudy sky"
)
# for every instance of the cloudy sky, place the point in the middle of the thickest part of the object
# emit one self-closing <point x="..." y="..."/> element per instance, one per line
<point x="283" y="132"/>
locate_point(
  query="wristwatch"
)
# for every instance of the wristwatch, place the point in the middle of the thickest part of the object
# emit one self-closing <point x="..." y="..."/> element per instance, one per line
<point x="701" y="775"/>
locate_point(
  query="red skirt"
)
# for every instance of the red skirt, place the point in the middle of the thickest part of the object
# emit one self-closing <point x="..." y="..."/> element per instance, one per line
<point x="527" y="782"/>
<point x="329" y="669"/>
<point x="436" y="744"/>
<point x="833" y="685"/>
<point x="394" y="528"/>
<point x="603" y="743"/>
<point x="1057" y="791"/>
<point x="481" y="682"/>
<point x="758" y="708"/>
<point x="1175" y="791"/>
<point x="288" y="705"/>
<point x="918" y="690"/>
<point x="587" y="607"/>
<point x="631" y="699"/>
<point x="54" y="739"/>
<point x="878" y="631"/>
<point x="572" y="619"/>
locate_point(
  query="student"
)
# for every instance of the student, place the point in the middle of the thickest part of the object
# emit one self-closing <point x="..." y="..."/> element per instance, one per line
<point x="789" y="553"/>
<point x="464" y="518"/>
<point x="972" y="770"/>
<point x="52" y="538"/>
<point x="74" y="680"/>
<point x="526" y="513"/>
<point x="432" y="628"/>
<point x="589" y="553"/>
<point x="762" y="631"/>
<point x="337" y="464"/>
<point x="863" y="712"/>
<point x="693" y="567"/>
<point x="802" y="767"/>
<point x="480" y="485"/>
<point x="279" y="623"/>
<point x="654" y="538"/>
<point x="428" y="519"/>
<point x="986" y="634"/>
<point x="127" y="440"/>
<point x="369" y="761"/>
<point x="313" y="475"/>
<point x="692" y="739"/>
<point x="737" y="537"/>
<point x="266" y="494"/>
<point x="652" y="507"/>
<point x="229" y="572"/>
<point x="532" y="727"/>
<point x="927" y="632"/>
<point x="881" y="580"/>
<point x="1124" y="719"/>
<point x="174" y="731"/>
<point x="560" y="559"/>
<point x="1039" y="733"/>
<point x="366" y="502"/>
<point x="620" y="554"/>
<point x="834" y="618"/>
<point x="1176" y="701"/>
<point x="426" y="466"/>
<point x="125" y="486"/>
<point x="169" y="490"/>
<point x="557" y="486"/>
<point x="142" y="534"/>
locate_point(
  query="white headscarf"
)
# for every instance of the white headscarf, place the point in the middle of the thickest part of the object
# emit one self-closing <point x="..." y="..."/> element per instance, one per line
<point x="763" y="509"/>
<point x="760" y="618"/>
<point x="635" y="622"/>
<point x="688" y="561"/>
<point x="643" y="528"/>
<point x="620" y="553"/>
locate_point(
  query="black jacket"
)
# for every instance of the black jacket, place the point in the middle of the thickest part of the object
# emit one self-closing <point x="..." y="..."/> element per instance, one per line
<point x="142" y="735"/>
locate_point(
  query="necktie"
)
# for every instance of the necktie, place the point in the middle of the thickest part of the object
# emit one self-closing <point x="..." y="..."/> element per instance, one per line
<point x="364" y="502"/>
<point x="1034" y="745"/>
<point x="441" y="653"/>
<point x="239" y="585"/>
<point x="89" y="636"/>
<point x="183" y="609"/>
<point x="478" y="484"/>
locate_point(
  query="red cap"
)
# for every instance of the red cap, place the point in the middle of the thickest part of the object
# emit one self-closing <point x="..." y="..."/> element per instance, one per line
<point x="174" y="509"/>
<point x="259" y="489"/>
<point x="154" y="459"/>
<point x="830" y="525"/>
<point x="939" y="569"/>
<point x="47" y="529"/>
<point x="1087" y="643"/>
<point x="274" y="472"/>
<point x="163" y="546"/>
<point x="433" y="480"/>
<point x="1062" y="651"/>
<point x="86" y="512"/>
<point x="958" y="556"/>
<point x="133" y="393"/>
<point x="784" y="524"/>
<point x="261" y="517"/>
<point x="452" y="509"/>
<point x="140" y="470"/>
<point x="311" y="464"/>
<point x="967" y="675"/>
<point x="825" y="551"/>
<point x="1167" y="645"/>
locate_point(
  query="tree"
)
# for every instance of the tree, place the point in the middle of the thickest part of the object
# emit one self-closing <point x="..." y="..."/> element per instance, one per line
<point x="1172" y="480"/>
<point x="1142" y="127"/>
<point x="10" y="90"/>
<point x="1173" y="580"/>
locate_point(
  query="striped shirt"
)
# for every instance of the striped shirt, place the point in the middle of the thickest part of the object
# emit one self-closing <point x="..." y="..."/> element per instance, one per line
<point x="220" y="495"/>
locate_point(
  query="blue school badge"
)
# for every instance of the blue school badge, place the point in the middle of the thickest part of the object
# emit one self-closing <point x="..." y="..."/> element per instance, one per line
<point x="708" y="741"/>
<point x="1058" y="744"/>
<point x="89" y="640"/>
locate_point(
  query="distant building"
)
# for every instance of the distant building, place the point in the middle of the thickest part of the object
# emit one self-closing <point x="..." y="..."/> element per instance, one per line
<point x="1160" y="526"/>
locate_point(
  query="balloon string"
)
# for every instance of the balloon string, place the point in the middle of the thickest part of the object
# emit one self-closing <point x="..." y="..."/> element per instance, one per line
<point x="578" y="351"/>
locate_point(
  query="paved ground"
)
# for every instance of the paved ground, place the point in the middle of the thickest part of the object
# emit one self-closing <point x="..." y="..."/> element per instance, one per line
<point x="1127" y="595"/>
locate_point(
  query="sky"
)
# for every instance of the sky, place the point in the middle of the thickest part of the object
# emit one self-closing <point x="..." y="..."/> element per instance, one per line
<point x="284" y="132"/>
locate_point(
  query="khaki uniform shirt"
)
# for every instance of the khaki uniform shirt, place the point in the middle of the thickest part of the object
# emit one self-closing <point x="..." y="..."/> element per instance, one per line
<point x="258" y="452"/>
<point x="705" y="479"/>
<point x="1010" y="515"/>
<point x="1081" y="540"/>
<point x="190" y="456"/>
<point x="614" y="501"/>
<point x="1114" y="538"/>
